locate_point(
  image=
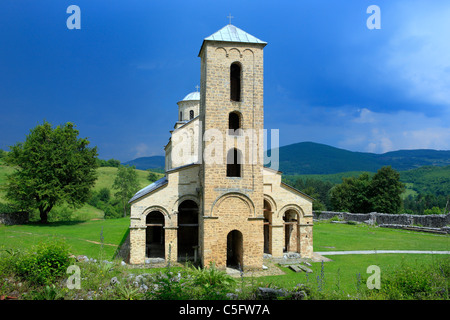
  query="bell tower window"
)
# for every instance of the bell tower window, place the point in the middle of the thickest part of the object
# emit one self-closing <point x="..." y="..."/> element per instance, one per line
<point x="235" y="82"/>
<point x="191" y="114"/>
<point x="234" y="157"/>
<point x="234" y="122"/>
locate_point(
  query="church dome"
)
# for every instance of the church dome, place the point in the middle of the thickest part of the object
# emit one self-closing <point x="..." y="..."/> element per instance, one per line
<point x="192" y="96"/>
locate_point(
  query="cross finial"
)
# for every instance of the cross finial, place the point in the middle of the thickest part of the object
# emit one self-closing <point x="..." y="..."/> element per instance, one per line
<point x="230" y="17"/>
<point x="196" y="87"/>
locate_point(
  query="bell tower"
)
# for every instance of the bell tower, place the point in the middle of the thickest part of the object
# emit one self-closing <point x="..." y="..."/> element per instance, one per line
<point x="231" y="174"/>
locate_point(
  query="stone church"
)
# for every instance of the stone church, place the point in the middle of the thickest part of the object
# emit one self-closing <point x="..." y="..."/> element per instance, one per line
<point x="216" y="204"/>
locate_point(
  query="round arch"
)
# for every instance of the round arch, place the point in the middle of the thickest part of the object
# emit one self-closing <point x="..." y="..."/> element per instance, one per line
<point x="241" y="196"/>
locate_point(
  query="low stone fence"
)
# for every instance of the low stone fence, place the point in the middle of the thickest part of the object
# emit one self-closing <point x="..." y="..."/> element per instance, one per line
<point x="14" y="218"/>
<point x="430" y="221"/>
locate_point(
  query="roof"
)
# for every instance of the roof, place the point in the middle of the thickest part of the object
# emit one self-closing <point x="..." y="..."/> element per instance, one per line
<point x="151" y="187"/>
<point x="231" y="33"/>
<point x="192" y="96"/>
<point x="298" y="191"/>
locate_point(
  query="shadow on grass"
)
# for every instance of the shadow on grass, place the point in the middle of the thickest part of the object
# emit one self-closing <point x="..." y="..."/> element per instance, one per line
<point x="56" y="223"/>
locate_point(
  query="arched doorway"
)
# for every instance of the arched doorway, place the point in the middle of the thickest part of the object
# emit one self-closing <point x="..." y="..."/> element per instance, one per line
<point x="187" y="230"/>
<point x="235" y="251"/>
<point x="154" y="243"/>
<point x="291" y="232"/>
<point x="267" y="227"/>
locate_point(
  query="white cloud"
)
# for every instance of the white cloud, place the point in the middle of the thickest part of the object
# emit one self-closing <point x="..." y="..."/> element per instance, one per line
<point x="417" y="56"/>
<point x="382" y="132"/>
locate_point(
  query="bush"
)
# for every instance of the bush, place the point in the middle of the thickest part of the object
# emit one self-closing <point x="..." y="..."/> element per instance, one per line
<point x="44" y="264"/>
<point x="415" y="282"/>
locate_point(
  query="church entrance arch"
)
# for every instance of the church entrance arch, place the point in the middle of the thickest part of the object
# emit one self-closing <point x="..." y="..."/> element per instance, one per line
<point x="154" y="243"/>
<point x="235" y="250"/>
<point x="187" y="230"/>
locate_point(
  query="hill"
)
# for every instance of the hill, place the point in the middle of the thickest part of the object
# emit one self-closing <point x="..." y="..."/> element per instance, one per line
<point x="315" y="158"/>
<point x="144" y="163"/>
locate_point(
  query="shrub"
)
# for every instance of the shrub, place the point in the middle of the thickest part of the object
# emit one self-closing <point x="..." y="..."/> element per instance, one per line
<point x="44" y="264"/>
<point x="210" y="283"/>
<point x="415" y="282"/>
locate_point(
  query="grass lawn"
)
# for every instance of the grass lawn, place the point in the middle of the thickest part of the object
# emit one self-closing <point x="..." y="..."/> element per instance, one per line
<point x="340" y="274"/>
<point x="336" y="237"/>
<point x="83" y="237"/>
<point x="106" y="176"/>
<point x="347" y="272"/>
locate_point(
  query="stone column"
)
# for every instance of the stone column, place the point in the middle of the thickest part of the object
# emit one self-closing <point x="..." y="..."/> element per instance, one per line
<point x="306" y="240"/>
<point x="277" y="241"/>
<point x="137" y="245"/>
<point x="171" y="243"/>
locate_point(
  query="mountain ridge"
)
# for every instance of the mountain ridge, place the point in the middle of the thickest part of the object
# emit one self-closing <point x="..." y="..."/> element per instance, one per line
<point x="316" y="158"/>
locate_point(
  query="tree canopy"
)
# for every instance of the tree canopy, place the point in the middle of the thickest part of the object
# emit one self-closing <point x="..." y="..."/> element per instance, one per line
<point x="126" y="184"/>
<point x="362" y="194"/>
<point x="52" y="166"/>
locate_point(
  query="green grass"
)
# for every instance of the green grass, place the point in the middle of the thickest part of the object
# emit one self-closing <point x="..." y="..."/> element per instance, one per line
<point x="106" y="176"/>
<point x="364" y="237"/>
<point x="82" y="237"/>
<point x="340" y="274"/>
<point x="343" y="272"/>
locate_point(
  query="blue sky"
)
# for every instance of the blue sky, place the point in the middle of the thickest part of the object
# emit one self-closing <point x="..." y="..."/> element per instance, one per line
<point x="328" y="78"/>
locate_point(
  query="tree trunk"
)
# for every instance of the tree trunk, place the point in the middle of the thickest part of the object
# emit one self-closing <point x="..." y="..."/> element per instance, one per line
<point x="44" y="215"/>
<point x="43" y="212"/>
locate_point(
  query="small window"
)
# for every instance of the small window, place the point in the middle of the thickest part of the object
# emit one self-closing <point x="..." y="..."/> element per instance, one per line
<point x="181" y="116"/>
<point x="234" y="122"/>
<point x="234" y="163"/>
<point x="235" y="82"/>
<point x="191" y="114"/>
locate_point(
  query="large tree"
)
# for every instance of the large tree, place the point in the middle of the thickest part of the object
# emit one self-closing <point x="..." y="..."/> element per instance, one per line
<point x="352" y="194"/>
<point x="52" y="166"/>
<point x="381" y="193"/>
<point x="385" y="191"/>
<point x="126" y="184"/>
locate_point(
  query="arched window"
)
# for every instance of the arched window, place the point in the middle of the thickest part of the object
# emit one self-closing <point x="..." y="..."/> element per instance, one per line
<point x="191" y="114"/>
<point x="234" y="159"/>
<point x="235" y="82"/>
<point x="181" y="116"/>
<point x="234" y="121"/>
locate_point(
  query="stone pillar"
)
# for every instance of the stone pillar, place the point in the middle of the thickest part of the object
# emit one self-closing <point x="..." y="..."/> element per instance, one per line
<point x="137" y="245"/>
<point x="277" y="241"/>
<point x="171" y="243"/>
<point x="306" y="240"/>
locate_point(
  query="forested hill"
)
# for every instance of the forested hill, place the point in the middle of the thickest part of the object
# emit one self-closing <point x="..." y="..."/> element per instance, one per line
<point x="315" y="158"/>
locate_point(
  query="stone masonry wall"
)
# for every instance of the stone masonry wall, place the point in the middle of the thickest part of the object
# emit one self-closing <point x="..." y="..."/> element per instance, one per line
<point x="431" y="221"/>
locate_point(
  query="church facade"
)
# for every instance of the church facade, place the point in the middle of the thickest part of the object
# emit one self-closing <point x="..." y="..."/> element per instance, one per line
<point x="217" y="203"/>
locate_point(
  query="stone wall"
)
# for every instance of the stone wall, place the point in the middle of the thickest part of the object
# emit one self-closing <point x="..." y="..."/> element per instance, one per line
<point x="14" y="218"/>
<point x="430" y="221"/>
